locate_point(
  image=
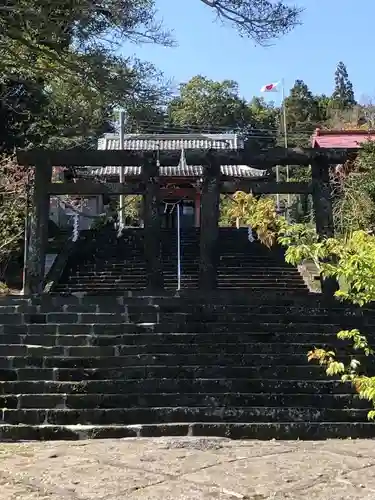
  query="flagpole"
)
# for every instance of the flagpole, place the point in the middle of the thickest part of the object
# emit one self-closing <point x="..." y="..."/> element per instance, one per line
<point x="284" y="112"/>
<point x="285" y="132"/>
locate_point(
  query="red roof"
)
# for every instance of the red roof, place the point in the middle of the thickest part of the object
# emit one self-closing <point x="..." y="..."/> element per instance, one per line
<point x="341" y="138"/>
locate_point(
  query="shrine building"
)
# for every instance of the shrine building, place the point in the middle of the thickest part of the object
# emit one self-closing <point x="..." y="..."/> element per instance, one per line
<point x="178" y="183"/>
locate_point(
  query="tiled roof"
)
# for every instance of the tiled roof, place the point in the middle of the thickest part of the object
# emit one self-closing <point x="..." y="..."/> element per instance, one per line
<point x="174" y="142"/>
<point x="341" y="138"/>
<point x="146" y="142"/>
<point x="178" y="171"/>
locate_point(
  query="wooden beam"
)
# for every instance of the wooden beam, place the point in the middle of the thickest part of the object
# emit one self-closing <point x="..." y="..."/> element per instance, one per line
<point x="266" y="187"/>
<point x="92" y="188"/>
<point x="255" y="158"/>
<point x="179" y="192"/>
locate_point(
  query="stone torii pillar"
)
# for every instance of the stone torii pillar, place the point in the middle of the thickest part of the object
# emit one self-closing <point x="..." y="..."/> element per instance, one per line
<point x="38" y="229"/>
<point x="209" y="234"/>
<point x="322" y="200"/>
<point x="152" y="223"/>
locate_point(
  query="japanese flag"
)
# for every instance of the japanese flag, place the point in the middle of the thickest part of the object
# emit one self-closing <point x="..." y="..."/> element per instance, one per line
<point x="270" y="87"/>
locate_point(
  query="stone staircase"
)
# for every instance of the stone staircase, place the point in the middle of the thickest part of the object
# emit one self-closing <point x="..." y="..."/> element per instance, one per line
<point x="252" y="267"/>
<point x="231" y="364"/>
<point x="105" y="263"/>
<point x="114" y="265"/>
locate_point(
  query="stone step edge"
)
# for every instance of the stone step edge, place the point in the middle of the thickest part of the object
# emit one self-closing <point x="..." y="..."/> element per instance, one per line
<point x="265" y="394"/>
<point x="144" y="294"/>
<point x="260" y="431"/>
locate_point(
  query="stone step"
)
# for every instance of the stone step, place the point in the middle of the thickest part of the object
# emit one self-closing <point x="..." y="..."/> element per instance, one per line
<point x="288" y="372"/>
<point x="166" y="386"/>
<point x="202" y="299"/>
<point x="223" y="281"/>
<point x="228" y="270"/>
<point x="189" y="279"/>
<point x="147" y="360"/>
<point x="191" y="400"/>
<point x="170" y="285"/>
<point x="112" y="306"/>
<point x="261" y="431"/>
<point x="248" y="287"/>
<point x="186" y="267"/>
<point x="117" y="349"/>
<point x="174" y="328"/>
<point x="249" y="318"/>
<point x="194" y="313"/>
<point x="208" y="318"/>
<point x="149" y="342"/>
<point x="232" y="261"/>
<point x="236" y="327"/>
<point x="187" y="273"/>
<point x="170" y="415"/>
<point x="259" y="269"/>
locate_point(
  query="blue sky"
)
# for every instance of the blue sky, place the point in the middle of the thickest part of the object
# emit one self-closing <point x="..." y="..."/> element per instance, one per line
<point x="332" y="30"/>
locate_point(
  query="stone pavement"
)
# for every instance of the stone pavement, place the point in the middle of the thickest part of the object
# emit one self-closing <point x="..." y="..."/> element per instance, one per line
<point x="188" y="468"/>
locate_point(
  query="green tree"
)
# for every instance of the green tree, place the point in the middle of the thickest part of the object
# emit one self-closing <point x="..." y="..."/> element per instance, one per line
<point x="78" y="116"/>
<point x="354" y="207"/>
<point x="67" y="46"/>
<point x="343" y="94"/>
<point x="303" y="114"/>
<point x="20" y="102"/>
<point x="262" y="128"/>
<point x="209" y="105"/>
<point x="42" y="35"/>
<point x="64" y="92"/>
<point x="41" y="31"/>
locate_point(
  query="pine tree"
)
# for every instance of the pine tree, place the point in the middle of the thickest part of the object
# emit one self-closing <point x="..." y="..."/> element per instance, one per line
<point x="343" y="94"/>
<point x="302" y="114"/>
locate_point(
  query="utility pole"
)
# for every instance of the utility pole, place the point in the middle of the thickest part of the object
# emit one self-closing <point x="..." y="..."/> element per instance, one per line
<point x="285" y="142"/>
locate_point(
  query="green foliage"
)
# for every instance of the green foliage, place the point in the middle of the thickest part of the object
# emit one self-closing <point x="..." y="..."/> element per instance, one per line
<point x="354" y="208"/>
<point x="21" y="101"/>
<point x="261" y="129"/>
<point x="352" y="262"/>
<point x="343" y="94"/>
<point x="349" y="372"/>
<point x="4" y="289"/>
<point x="303" y="113"/>
<point x="206" y="105"/>
<point x="44" y="29"/>
<point x="209" y="104"/>
<point x="133" y="209"/>
<point x="61" y="74"/>
<point x="57" y="35"/>
<point x="259" y="213"/>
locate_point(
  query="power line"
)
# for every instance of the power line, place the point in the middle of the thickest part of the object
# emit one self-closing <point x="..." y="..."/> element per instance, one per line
<point x="210" y="129"/>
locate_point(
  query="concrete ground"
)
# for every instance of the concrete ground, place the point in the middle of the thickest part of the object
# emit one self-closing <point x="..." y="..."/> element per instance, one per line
<point x="188" y="468"/>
